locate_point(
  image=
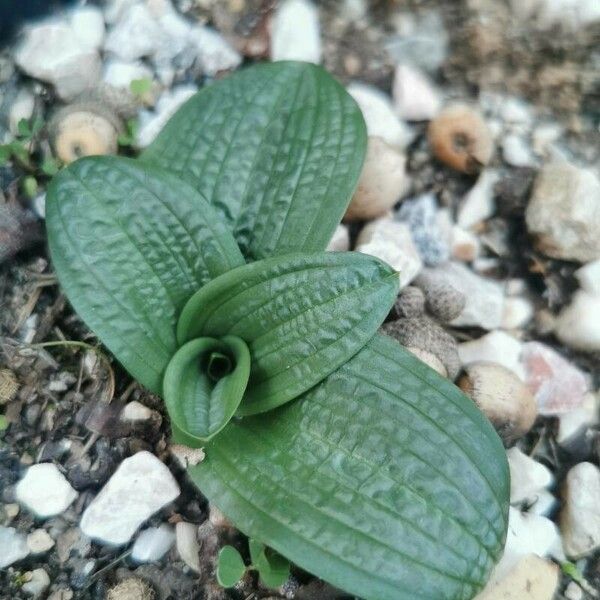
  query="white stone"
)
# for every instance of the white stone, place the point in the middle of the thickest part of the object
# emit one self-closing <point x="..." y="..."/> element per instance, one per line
<point x="528" y="534"/>
<point x="115" y="9"/>
<point x="478" y="204"/>
<point x="21" y="108"/>
<point x="572" y="15"/>
<point x="13" y="546"/>
<point x="563" y="213"/>
<point x="137" y="34"/>
<point x="214" y="52"/>
<point x="516" y="112"/>
<point x="580" y="515"/>
<point x="578" y="324"/>
<point x="140" y="487"/>
<point x="415" y="97"/>
<point x="574" y="591"/>
<point x="44" y="490"/>
<point x="516" y="151"/>
<point x="295" y="32"/>
<point x="589" y="277"/>
<point x="574" y="423"/>
<point x="120" y="74"/>
<point x="378" y="111"/>
<point x="340" y="241"/>
<point x="543" y="504"/>
<point x="37" y="584"/>
<point x="517" y="312"/>
<point x="88" y="24"/>
<point x="151" y="122"/>
<point x="153" y="543"/>
<point x="465" y="245"/>
<point x="544" y="136"/>
<point x="485" y="297"/>
<point x="496" y="346"/>
<point x="52" y="53"/>
<point x="39" y="541"/>
<point x="528" y="477"/>
<point x="135" y="411"/>
<point x="531" y="578"/>
<point x="391" y="242"/>
<point x="186" y="536"/>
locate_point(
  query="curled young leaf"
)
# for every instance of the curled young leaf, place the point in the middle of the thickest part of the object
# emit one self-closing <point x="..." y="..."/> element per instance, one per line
<point x="203" y="387"/>
<point x="302" y="316"/>
<point x="130" y="244"/>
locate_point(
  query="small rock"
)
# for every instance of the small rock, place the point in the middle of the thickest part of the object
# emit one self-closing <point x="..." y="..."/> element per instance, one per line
<point x="186" y="456"/>
<point x="531" y="578"/>
<point x="132" y="588"/>
<point x="516" y="113"/>
<point x="557" y="385"/>
<point x="61" y="594"/>
<point x="580" y="516"/>
<point x="443" y="301"/>
<point x="410" y="303"/>
<point x="529" y="534"/>
<point x="378" y="111"/>
<point x="217" y="518"/>
<point x="516" y="152"/>
<point x="153" y="543"/>
<point x="21" y="108"/>
<point x="72" y="543"/>
<point x="424" y="334"/>
<point x="478" y="204"/>
<point x="340" y="241"/>
<point x="391" y="242"/>
<point x="517" y="312"/>
<point x="589" y="277"/>
<point x="430" y="359"/>
<point x="151" y="122"/>
<point x="9" y="386"/>
<point x="460" y="138"/>
<point x="528" y="477"/>
<point x="11" y="510"/>
<point x="37" y="583"/>
<point x="563" y="214"/>
<point x="120" y="74"/>
<point x="570" y="15"/>
<point x="39" y="541"/>
<point x="420" y="214"/>
<point x="53" y="53"/>
<point x="573" y="591"/>
<point x="214" y="53"/>
<point x="544" y="503"/>
<point x="464" y="246"/>
<point x="573" y="424"/>
<point x="496" y="347"/>
<point x="295" y="32"/>
<point x="44" y="490"/>
<point x="84" y="129"/>
<point x="88" y="24"/>
<point x="544" y="136"/>
<point x="415" y="97"/>
<point x="135" y="411"/>
<point x="186" y="536"/>
<point x="140" y="487"/>
<point x="484" y="297"/>
<point x="13" y="546"/>
<point x="136" y="35"/>
<point x="502" y="397"/>
<point x="382" y="182"/>
<point x="578" y="324"/>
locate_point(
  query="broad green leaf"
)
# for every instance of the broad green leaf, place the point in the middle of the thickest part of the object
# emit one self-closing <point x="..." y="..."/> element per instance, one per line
<point x="273" y="569"/>
<point x="302" y="316"/>
<point x="277" y="148"/>
<point x="203" y="387"/>
<point x="130" y="245"/>
<point x="384" y="480"/>
<point x="230" y="566"/>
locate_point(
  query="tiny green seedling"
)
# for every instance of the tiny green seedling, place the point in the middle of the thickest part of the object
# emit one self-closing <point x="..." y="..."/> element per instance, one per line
<point x="272" y="568"/>
<point x="201" y="266"/>
<point x="127" y="138"/>
<point x="141" y="87"/>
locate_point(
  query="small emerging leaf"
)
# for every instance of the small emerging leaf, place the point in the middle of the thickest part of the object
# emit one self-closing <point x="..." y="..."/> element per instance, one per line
<point x="23" y="128"/>
<point x="230" y="567"/>
<point x="203" y="386"/>
<point x="139" y="87"/>
<point x="302" y="315"/>
<point x="273" y="569"/>
<point x="30" y="186"/>
<point x="50" y="166"/>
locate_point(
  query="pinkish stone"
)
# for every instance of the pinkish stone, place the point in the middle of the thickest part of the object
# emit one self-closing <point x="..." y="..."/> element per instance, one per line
<point x="557" y="385"/>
